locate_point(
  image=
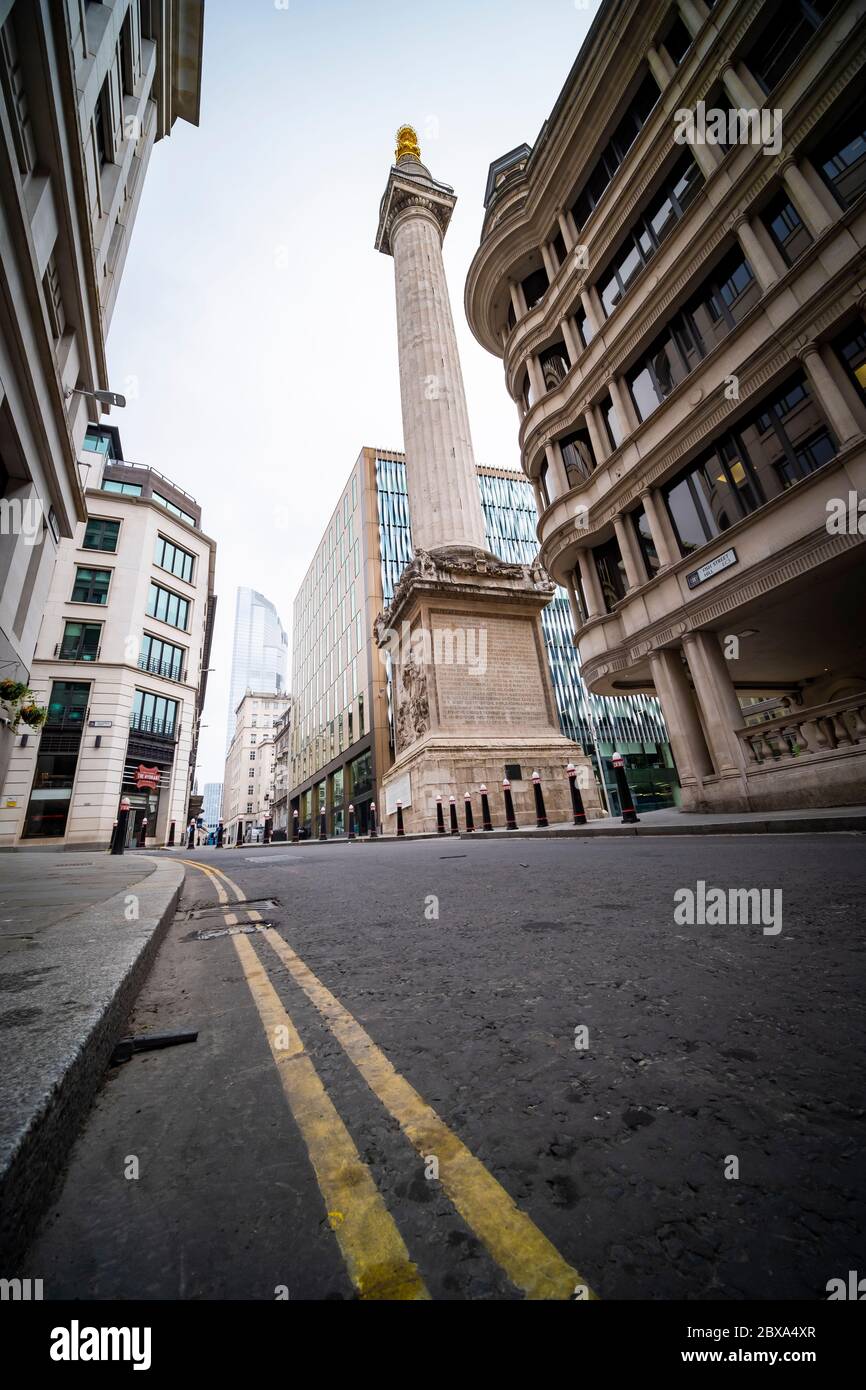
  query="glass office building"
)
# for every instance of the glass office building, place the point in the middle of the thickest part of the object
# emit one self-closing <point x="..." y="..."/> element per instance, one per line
<point x="259" y="652"/>
<point x="633" y="724"/>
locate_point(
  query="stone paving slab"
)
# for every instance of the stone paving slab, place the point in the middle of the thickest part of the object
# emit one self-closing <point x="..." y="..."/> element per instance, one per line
<point x="78" y="934"/>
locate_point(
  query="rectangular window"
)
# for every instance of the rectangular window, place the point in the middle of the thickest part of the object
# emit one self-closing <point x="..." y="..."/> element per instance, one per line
<point x="80" y="641"/>
<point x="578" y="457"/>
<point x="611" y="422"/>
<point x="91" y="586"/>
<point x="168" y="607"/>
<point x="171" y="557"/>
<point x="677" y="40"/>
<point x="850" y="347"/>
<point x="646" y="541"/>
<point x="174" y="508"/>
<point x="783" y="223"/>
<point x="841" y="158"/>
<point x="153" y="714"/>
<point x="615" y="151"/>
<point x="611" y="573"/>
<point x="783" y="440"/>
<point x="101" y="534"/>
<point x="161" y="658"/>
<point x="54" y="300"/>
<point x="126" y="489"/>
<point x="785" y="29"/>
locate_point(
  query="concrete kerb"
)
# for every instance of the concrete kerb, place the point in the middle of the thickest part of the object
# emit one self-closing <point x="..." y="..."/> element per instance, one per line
<point x="44" y="1098"/>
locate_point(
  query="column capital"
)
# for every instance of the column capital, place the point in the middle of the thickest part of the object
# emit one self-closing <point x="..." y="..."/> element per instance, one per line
<point x="806" y="350"/>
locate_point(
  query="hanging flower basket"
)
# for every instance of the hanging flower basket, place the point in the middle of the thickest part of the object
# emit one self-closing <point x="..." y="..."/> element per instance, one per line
<point x="33" y="715"/>
<point x="12" y="691"/>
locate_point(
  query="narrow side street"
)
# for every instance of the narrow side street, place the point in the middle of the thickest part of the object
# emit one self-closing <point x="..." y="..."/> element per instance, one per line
<point x="429" y="997"/>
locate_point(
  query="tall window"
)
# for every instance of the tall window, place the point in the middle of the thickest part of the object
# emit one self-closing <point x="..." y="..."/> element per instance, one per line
<point x="851" y="348"/>
<point x="91" y="586"/>
<point x="171" y="557"/>
<point x="783" y="223"/>
<point x="783" y="440"/>
<point x="80" y="641"/>
<point x="649" y="230"/>
<point x="624" y="136"/>
<point x="101" y="534"/>
<point x="611" y="572"/>
<point x="646" y="542"/>
<point x="168" y="607"/>
<point x="841" y="158"/>
<point x="68" y="703"/>
<point x="161" y="658"/>
<point x="785" y="28"/>
<point x="153" y="714"/>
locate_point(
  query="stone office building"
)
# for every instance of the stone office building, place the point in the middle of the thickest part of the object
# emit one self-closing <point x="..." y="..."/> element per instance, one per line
<point x="248" y="786"/>
<point x="86" y="91"/>
<point x="683" y="327"/>
<point x="121" y="664"/>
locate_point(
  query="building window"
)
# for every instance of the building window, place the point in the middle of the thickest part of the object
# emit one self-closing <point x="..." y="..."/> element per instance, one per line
<point x="168" y="607"/>
<point x="153" y="714"/>
<point x="101" y="534"/>
<point x="611" y="573"/>
<point x="841" y="159"/>
<point x="782" y="441"/>
<point x="782" y="221"/>
<point x="161" y="658"/>
<point x="850" y="347"/>
<point x="554" y="365"/>
<point x="15" y="94"/>
<point x="786" y="28"/>
<point x="170" y="557"/>
<point x="91" y="586"/>
<point x="249" y="808"/>
<point x="578" y="457"/>
<point x="54" y="300"/>
<point x="605" y="167"/>
<point x="102" y="125"/>
<point x="612" y="425"/>
<point x="68" y="704"/>
<point x="174" y="508"/>
<point x="115" y="485"/>
<point x="724" y="298"/>
<point x="253" y="756"/>
<point x="676" y="39"/>
<point x="535" y="287"/>
<point x="648" y="232"/>
<point x="251" y="791"/>
<point x="645" y="540"/>
<point x="80" y="641"/>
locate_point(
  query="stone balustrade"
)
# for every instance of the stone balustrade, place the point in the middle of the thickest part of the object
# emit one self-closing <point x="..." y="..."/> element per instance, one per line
<point x="805" y="731"/>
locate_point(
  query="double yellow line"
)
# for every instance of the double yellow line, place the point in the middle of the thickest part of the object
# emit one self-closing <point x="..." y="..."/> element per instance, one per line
<point x="375" y="1255"/>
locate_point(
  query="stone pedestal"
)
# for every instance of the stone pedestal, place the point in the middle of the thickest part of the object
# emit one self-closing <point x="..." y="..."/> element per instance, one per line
<point x="471" y="690"/>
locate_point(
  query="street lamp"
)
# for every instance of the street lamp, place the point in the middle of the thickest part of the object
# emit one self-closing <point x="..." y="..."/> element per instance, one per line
<point x="103" y="397"/>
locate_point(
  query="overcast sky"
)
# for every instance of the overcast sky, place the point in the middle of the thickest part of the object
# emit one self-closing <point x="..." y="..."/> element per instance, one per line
<point x="255" y="333"/>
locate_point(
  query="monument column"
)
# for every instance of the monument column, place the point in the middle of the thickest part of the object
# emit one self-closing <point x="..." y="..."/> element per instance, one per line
<point x="471" y="687"/>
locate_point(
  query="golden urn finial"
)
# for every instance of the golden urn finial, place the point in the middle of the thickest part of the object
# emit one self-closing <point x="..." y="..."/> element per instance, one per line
<point x="407" y="143"/>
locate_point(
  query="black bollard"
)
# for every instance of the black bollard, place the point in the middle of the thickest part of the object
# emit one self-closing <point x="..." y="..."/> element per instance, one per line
<point x="221" y="830"/>
<point x="142" y="834"/>
<point x="113" y="834"/>
<point x="452" y="812"/>
<point x="629" y="814"/>
<point x="440" y="819"/>
<point x="486" y="822"/>
<point x="171" y="834"/>
<point x="268" y="831"/>
<point x="373" y="832"/>
<point x="467" y="801"/>
<point x="122" y="826"/>
<point x="323" y="825"/>
<point x="577" y="811"/>
<point x="352" y="835"/>
<point x="540" y="813"/>
<point x="510" y="822"/>
<point x="400" y="830"/>
<point x="296" y="829"/>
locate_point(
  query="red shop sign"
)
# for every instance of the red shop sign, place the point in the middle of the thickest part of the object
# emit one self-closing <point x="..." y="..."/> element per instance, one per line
<point x="147" y="777"/>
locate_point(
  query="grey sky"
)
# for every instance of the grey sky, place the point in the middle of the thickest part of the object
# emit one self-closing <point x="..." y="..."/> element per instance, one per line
<point x="255" y="334"/>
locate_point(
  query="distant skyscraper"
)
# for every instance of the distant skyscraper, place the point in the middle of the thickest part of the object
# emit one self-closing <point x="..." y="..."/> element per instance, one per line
<point x="212" y="806"/>
<point x="259" y="653"/>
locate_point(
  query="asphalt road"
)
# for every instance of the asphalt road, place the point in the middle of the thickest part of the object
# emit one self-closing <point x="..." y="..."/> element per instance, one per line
<point x="610" y="1164"/>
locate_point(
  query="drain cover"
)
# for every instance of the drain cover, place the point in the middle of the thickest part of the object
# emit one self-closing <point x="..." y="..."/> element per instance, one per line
<point x="241" y="929"/>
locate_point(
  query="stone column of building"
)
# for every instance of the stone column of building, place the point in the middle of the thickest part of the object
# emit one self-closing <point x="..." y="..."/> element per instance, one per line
<point x="829" y="396"/>
<point x="634" y="569"/>
<point x="666" y="552"/>
<point x="472" y="692"/>
<point x="720" y="707"/>
<point x="681" y="716"/>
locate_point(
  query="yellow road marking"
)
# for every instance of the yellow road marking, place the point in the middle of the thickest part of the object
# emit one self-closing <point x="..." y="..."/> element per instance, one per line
<point x="529" y="1259"/>
<point x="376" y="1258"/>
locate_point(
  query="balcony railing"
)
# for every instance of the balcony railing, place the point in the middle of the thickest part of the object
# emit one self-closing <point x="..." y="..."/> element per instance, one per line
<point x="815" y="729"/>
<point x="170" y="670"/>
<point x="162" y="728"/>
<point x="75" y="653"/>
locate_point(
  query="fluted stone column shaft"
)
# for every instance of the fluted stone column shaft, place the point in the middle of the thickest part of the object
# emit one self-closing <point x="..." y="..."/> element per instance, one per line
<point x="444" y="501"/>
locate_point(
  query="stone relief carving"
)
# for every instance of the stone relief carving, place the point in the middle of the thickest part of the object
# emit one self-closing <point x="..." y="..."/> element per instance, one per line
<point x="413" y="708"/>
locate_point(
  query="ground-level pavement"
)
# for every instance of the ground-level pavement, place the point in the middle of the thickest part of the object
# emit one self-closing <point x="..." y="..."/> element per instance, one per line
<point x="388" y="1009"/>
<point x="77" y="936"/>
